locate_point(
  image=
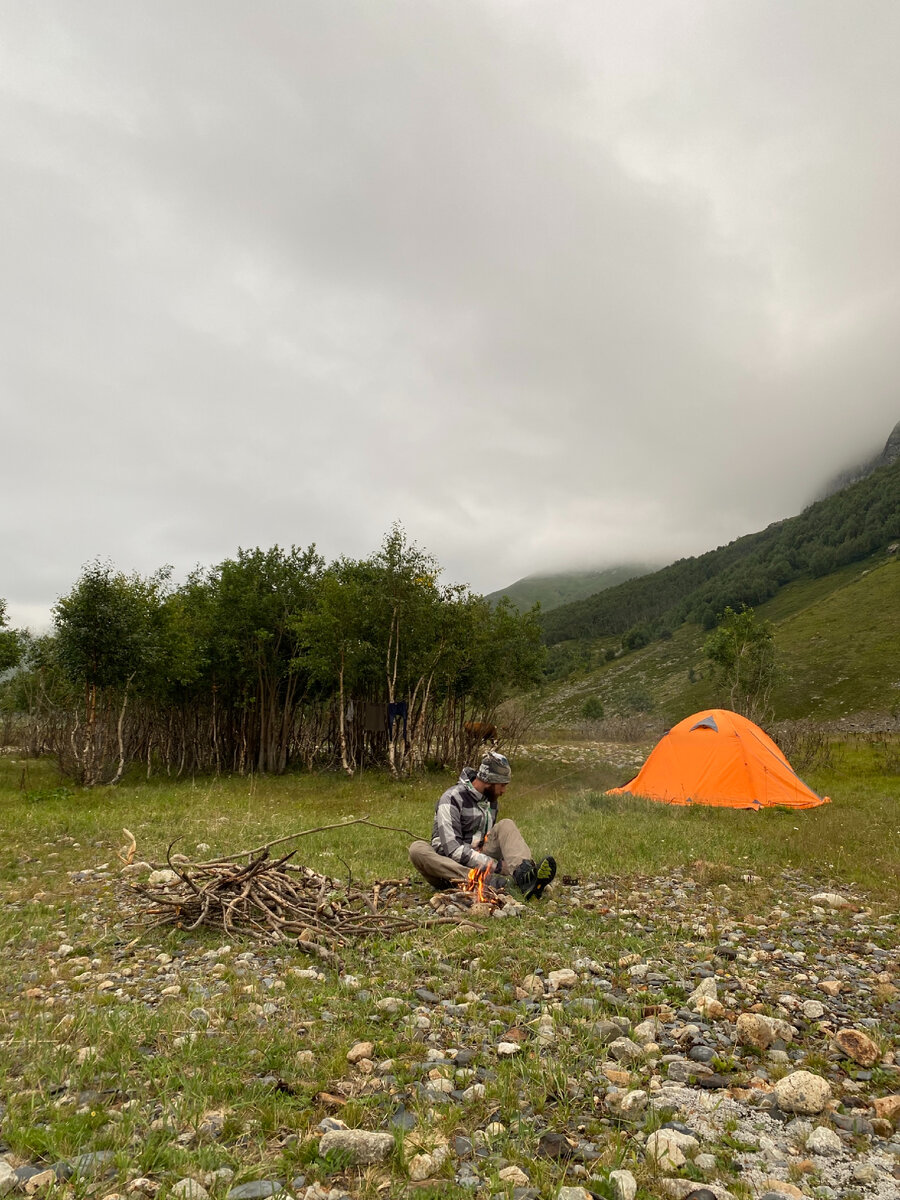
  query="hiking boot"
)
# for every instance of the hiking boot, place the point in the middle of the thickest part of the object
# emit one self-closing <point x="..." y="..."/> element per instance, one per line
<point x="546" y="873"/>
<point x="531" y="878"/>
<point x="525" y="877"/>
<point x="498" y="882"/>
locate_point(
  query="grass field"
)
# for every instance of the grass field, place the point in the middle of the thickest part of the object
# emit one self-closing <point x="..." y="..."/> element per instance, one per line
<point x="178" y="1058"/>
<point x="561" y="810"/>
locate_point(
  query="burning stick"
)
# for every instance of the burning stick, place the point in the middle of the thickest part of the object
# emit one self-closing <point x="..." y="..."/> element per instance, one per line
<point x="476" y="885"/>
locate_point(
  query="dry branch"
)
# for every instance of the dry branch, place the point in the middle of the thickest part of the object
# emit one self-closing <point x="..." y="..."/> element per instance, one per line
<point x="274" y="900"/>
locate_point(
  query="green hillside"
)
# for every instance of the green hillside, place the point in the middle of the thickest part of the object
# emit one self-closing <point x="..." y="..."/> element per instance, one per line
<point x="550" y="591"/>
<point x="838" y="652"/>
<point x="840" y="530"/>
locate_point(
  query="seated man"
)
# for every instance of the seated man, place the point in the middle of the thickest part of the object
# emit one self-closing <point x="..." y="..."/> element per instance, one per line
<point x="467" y="836"/>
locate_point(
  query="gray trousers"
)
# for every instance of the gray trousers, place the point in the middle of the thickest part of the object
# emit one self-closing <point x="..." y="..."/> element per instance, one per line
<point x="504" y="843"/>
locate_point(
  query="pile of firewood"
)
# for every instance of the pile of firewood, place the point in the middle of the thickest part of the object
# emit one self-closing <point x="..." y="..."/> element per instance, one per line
<point x="271" y="899"/>
<point x="274" y="899"/>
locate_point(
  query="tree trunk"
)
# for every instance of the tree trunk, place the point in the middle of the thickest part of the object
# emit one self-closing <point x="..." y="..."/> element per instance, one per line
<point x="342" y="727"/>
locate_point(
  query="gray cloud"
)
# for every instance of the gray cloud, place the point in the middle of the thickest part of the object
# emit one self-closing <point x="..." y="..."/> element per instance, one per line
<point x="588" y="283"/>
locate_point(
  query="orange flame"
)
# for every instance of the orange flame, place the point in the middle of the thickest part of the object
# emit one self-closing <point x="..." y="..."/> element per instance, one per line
<point x="475" y="882"/>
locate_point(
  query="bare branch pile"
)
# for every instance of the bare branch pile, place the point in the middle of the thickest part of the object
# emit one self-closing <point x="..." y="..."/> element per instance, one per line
<point x="272" y="899"/>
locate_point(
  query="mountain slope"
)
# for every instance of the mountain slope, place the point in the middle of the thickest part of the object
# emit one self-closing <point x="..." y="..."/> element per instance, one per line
<point x="550" y="591"/>
<point x="888" y="455"/>
<point x="837" y="642"/>
<point x="839" y="530"/>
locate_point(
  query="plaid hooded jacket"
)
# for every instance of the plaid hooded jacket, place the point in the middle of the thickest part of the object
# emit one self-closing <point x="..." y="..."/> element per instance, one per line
<point x="463" y="818"/>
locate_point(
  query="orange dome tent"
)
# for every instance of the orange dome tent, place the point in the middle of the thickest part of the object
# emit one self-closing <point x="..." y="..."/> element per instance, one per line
<point x="720" y="758"/>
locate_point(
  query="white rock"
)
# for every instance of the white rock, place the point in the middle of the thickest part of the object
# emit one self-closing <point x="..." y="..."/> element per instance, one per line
<point x="7" y="1177"/>
<point x="706" y="1162"/>
<point x="813" y="1010"/>
<point x="830" y="900"/>
<point x="508" y="1049"/>
<point x="421" y="1167"/>
<point x="624" y="1185"/>
<point x="824" y="1141"/>
<point x="573" y="1193"/>
<point x="514" y="1175"/>
<point x="189" y="1189"/>
<point x="566" y="978"/>
<point x="662" y="1148"/>
<point x="802" y="1092"/>
<point x="162" y="878"/>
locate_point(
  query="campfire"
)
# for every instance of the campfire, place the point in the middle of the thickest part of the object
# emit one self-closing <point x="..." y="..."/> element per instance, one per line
<point x="476" y="885"/>
<point x="475" y="895"/>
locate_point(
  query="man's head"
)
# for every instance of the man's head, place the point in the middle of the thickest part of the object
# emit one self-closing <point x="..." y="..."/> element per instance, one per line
<point x="495" y="773"/>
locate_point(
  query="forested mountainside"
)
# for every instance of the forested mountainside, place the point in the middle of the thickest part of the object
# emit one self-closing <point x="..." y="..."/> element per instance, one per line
<point x="550" y="591"/>
<point x="840" y="529"/>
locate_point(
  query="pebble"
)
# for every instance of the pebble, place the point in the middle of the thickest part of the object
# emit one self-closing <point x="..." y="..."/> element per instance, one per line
<point x="256" y="1189"/>
<point x="623" y="1184"/>
<point x="857" y="1046"/>
<point x="802" y="1092"/>
<point x="189" y="1189"/>
<point x="824" y="1141"/>
<point x="361" y="1146"/>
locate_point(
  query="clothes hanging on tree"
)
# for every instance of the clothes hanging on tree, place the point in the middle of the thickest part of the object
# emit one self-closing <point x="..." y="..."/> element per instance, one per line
<point x="395" y="713"/>
<point x="375" y="717"/>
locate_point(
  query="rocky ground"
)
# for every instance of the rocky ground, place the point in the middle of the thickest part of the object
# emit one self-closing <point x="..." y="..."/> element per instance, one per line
<point x="587" y="754"/>
<point x="681" y="1036"/>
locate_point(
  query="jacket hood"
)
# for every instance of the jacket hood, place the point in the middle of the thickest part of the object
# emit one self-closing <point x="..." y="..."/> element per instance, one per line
<point x="465" y="779"/>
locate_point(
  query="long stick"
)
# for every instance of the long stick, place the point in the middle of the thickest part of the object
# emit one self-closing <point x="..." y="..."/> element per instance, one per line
<point x="303" y="833"/>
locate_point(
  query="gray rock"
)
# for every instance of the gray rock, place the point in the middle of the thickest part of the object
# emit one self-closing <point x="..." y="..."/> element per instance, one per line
<point x="7" y="1178"/>
<point x="361" y="1145"/>
<point x="624" y="1185"/>
<point x="93" y="1162"/>
<point x="623" y="1049"/>
<point x="256" y="1189"/>
<point x="824" y="1141"/>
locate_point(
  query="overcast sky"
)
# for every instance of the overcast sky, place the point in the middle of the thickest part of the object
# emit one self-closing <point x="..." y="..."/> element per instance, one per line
<point x="553" y="283"/>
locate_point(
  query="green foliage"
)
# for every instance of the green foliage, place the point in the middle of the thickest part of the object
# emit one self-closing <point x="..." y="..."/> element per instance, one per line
<point x="107" y="627"/>
<point x="742" y="653"/>
<point x="250" y="663"/>
<point x="592" y="709"/>
<point x="10" y="642"/>
<point x="637" y="699"/>
<point x="636" y="637"/>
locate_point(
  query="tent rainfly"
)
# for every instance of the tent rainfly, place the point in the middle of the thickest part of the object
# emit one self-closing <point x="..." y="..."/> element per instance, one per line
<point x="720" y="758"/>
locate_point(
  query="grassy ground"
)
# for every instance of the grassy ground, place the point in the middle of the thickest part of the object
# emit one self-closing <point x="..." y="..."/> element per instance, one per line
<point x="560" y="808"/>
<point x="100" y="1054"/>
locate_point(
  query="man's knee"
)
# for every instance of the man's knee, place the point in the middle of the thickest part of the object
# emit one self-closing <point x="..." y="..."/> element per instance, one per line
<point x="418" y="852"/>
<point x="505" y="826"/>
